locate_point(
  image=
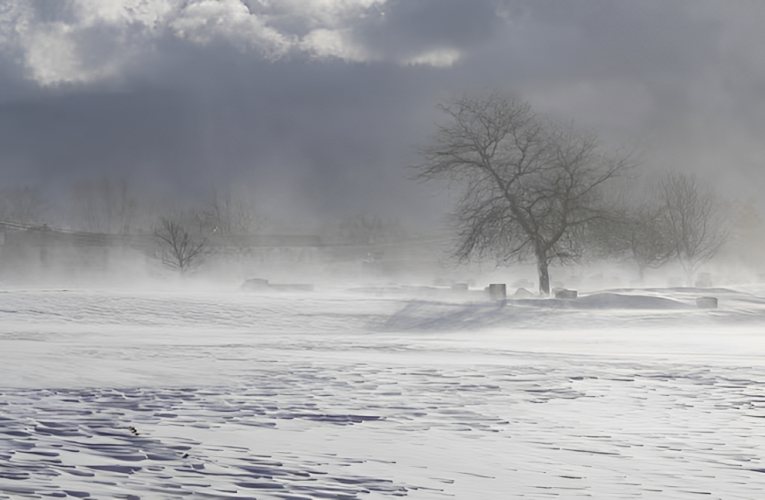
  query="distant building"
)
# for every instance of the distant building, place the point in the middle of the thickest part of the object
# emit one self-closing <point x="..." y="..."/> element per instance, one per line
<point x="40" y="253"/>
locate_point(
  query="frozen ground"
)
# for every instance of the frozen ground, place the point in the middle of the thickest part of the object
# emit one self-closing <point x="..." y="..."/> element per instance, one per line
<point x="364" y="395"/>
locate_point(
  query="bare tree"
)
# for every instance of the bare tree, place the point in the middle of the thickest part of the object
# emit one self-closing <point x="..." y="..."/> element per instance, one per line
<point x="368" y="230"/>
<point x="179" y="248"/>
<point x="228" y="215"/>
<point x="104" y="206"/>
<point x="747" y="235"/>
<point x="528" y="187"/>
<point x="647" y="236"/>
<point x="694" y="222"/>
<point x="637" y="233"/>
<point x="23" y="205"/>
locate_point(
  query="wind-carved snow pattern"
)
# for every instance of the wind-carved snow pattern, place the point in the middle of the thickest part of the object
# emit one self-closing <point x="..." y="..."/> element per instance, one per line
<point x="314" y="396"/>
<point x="616" y="429"/>
<point x="77" y="435"/>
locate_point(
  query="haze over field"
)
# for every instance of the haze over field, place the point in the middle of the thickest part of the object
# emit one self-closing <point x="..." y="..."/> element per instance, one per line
<point x="313" y="109"/>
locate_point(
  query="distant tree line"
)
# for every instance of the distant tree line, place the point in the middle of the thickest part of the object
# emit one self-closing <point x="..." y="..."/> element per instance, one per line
<point x="679" y="220"/>
<point x="183" y="238"/>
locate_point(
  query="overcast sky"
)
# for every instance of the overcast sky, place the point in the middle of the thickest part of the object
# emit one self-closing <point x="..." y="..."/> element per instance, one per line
<point x="316" y="106"/>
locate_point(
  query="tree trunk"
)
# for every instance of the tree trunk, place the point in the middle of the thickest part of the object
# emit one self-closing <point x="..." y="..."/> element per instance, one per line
<point x="544" y="273"/>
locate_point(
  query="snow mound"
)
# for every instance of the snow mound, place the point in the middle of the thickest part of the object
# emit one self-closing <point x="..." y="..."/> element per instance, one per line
<point x="605" y="309"/>
<point x="621" y="301"/>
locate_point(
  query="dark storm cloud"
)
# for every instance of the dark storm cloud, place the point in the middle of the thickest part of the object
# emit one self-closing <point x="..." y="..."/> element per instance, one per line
<point x="79" y="136"/>
<point x="329" y="137"/>
<point x="318" y="112"/>
<point x="408" y="27"/>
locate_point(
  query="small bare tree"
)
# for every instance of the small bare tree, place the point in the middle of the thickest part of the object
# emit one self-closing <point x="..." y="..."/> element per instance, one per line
<point x="228" y="215"/>
<point x="528" y="187"/>
<point x="179" y="248"/>
<point x="747" y="235"/>
<point x="647" y="237"/>
<point x="637" y="233"/>
<point x="104" y="206"/>
<point x="368" y="230"/>
<point x="23" y="205"/>
<point x="693" y="218"/>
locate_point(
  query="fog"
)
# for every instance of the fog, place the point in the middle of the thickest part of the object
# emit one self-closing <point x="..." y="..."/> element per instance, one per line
<point x="307" y="117"/>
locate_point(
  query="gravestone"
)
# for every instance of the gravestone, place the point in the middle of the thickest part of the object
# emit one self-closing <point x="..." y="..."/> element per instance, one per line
<point x="497" y="291"/>
<point x="566" y="294"/>
<point x="706" y="302"/>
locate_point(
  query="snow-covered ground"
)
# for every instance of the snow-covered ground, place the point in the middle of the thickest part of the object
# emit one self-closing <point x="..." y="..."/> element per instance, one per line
<point x="355" y="394"/>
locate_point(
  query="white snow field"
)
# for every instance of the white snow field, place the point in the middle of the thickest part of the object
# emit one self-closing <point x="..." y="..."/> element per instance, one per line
<point x="371" y="394"/>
